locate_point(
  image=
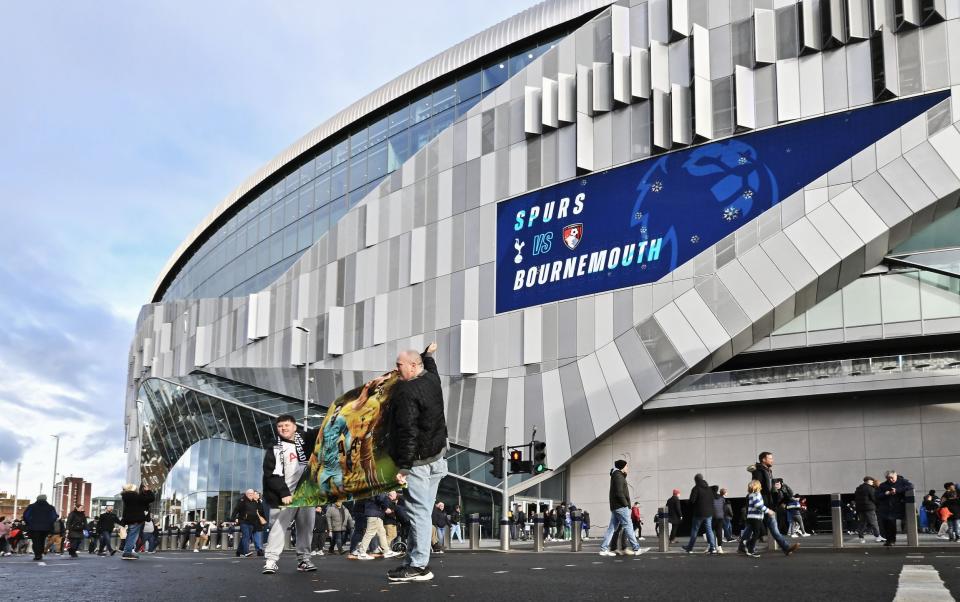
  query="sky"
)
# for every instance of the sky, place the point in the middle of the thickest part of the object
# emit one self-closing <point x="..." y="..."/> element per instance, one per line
<point x="122" y="124"/>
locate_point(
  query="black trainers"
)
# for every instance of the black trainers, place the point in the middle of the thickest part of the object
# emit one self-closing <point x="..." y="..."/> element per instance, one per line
<point x="410" y="573"/>
<point x="305" y="566"/>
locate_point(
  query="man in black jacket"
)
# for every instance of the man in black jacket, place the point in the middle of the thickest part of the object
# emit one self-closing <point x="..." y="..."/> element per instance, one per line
<point x="701" y="505"/>
<point x="619" y="510"/>
<point x="891" y="507"/>
<point x="105" y="524"/>
<point x="674" y="514"/>
<point x="284" y="466"/>
<point x="417" y="442"/>
<point x="136" y="511"/>
<point x="247" y="514"/>
<point x="866" y="499"/>
<point x="763" y="471"/>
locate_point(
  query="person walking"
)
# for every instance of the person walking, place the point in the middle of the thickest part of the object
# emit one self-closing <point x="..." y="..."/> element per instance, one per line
<point x="136" y="511"/>
<point x="440" y="524"/>
<point x="76" y="523"/>
<point x="55" y="539"/>
<point x="891" y="506"/>
<point x="865" y="497"/>
<point x="375" y="510"/>
<point x="284" y="466"/>
<point x="701" y="505"/>
<point x="727" y="517"/>
<point x="393" y="518"/>
<point x="456" y="516"/>
<point x="418" y="440"/>
<point x="203" y="536"/>
<point x="718" y="511"/>
<point x="674" y="514"/>
<point x="340" y="523"/>
<point x="106" y="522"/>
<point x="39" y="518"/>
<point x="762" y="471"/>
<point x="756" y="511"/>
<point x="795" y="517"/>
<point x="320" y="529"/>
<point x="951" y="501"/>
<point x="619" y="511"/>
<point x="636" y="519"/>
<point x="247" y="514"/>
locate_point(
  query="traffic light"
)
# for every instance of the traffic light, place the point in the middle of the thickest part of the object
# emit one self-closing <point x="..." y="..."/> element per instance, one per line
<point x="497" y="470"/>
<point x="516" y="461"/>
<point x="539" y="457"/>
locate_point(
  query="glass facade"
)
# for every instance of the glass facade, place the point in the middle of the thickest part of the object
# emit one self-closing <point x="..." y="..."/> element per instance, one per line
<point x="270" y="231"/>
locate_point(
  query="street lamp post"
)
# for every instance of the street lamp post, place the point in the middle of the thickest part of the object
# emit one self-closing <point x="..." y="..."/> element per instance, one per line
<point x="306" y="377"/>
<point x="16" y="493"/>
<point x="53" y="490"/>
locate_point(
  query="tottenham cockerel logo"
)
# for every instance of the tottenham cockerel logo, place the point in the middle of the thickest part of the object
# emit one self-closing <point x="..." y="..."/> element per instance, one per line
<point x="572" y="235"/>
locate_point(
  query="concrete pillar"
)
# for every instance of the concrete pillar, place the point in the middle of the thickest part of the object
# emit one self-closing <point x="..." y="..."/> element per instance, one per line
<point x="663" y="520"/>
<point x="473" y="526"/>
<point x="910" y="518"/>
<point x="538" y="532"/>
<point x="836" y="515"/>
<point x="576" y="520"/>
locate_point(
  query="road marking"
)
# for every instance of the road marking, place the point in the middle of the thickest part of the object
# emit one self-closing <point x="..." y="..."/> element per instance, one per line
<point x="921" y="582"/>
<point x="500" y="572"/>
<point x="325" y="591"/>
<point x="569" y="565"/>
<point x="537" y="568"/>
<point x="455" y="576"/>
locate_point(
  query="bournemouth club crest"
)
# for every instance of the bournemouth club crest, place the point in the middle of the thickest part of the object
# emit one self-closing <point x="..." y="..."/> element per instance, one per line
<point x="572" y="235"/>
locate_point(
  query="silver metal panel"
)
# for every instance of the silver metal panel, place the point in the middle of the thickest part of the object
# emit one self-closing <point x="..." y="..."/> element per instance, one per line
<point x="622" y="89"/>
<point x="640" y="72"/>
<point x="532" y="110"/>
<point x="681" y="113"/>
<point x="789" y="260"/>
<point x="835" y="230"/>
<point x="549" y="109"/>
<point x="815" y="249"/>
<point x="767" y="276"/>
<point x="703" y="321"/>
<point x="602" y="84"/>
<point x="660" y="66"/>
<point x="662" y="120"/>
<point x="933" y="170"/>
<point x="812" y="23"/>
<point x="859" y="74"/>
<point x="911" y="11"/>
<point x="811" y="85"/>
<point x="567" y="97"/>
<point x="620" y="29"/>
<point x="907" y="184"/>
<point x="765" y="35"/>
<point x="833" y="82"/>
<point x="788" y="89"/>
<point x="584" y="127"/>
<point x="744" y="290"/>
<point x="622" y="391"/>
<point x="703" y="106"/>
<point x="555" y="419"/>
<point x="584" y="90"/>
<point x="646" y="378"/>
<point x="858" y="19"/>
<point x="935" y="62"/>
<point x="659" y="20"/>
<point x="681" y="334"/>
<point x="603" y="412"/>
<point x="837" y="33"/>
<point x="947" y="143"/>
<point x="855" y="211"/>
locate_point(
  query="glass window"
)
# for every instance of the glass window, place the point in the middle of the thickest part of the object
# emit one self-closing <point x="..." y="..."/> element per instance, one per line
<point x="861" y="302"/>
<point x="358" y="142"/>
<point x="827" y="314"/>
<point x="338" y="209"/>
<point x="421" y="109"/>
<point x="264" y="229"/>
<point x="322" y="189"/>
<point x="469" y="86"/>
<point x="377" y="161"/>
<point x="493" y="76"/>
<point x="442" y="121"/>
<point x="307" y="201"/>
<point x="398" y="150"/>
<point x="338" y="181"/>
<point x="263" y="255"/>
<point x="340" y="152"/>
<point x="251" y="237"/>
<point x="276" y="248"/>
<point x="358" y="171"/>
<point x="291" y="182"/>
<point x="323" y="162"/>
<point x="399" y="120"/>
<point x="290" y="240"/>
<point x="265" y="200"/>
<point x="419" y="136"/>
<point x="306" y="172"/>
<point x="945" y="232"/>
<point x="321" y="221"/>
<point x="291" y="208"/>
<point x="662" y="351"/>
<point x="939" y="296"/>
<point x="276" y="218"/>
<point x="444" y="98"/>
<point x="466" y="105"/>
<point x="379" y="131"/>
<point x="900" y="297"/>
<point x="305" y="233"/>
<point x="521" y="60"/>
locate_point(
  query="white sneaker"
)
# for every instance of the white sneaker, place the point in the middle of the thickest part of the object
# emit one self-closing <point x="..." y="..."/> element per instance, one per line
<point x="719" y="549"/>
<point x="364" y="556"/>
<point x="805" y="534"/>
<point x="606" y="553"/>
<point x="390" y="554"/>
<point x="641" y="539"/>
<point x="862" y="540"/>
<point x="196" y="550"/>
<point x="629" y="552"/>
<point x="879" y="539"/>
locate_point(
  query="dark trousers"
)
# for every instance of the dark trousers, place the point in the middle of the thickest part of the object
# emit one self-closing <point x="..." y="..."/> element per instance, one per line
<point x="888" y="528"/>
<point x="336" y="540"/>
<point x="755" y="527"/>
<point x="105" y="542"/>
<point x="39" y="539"/>
<point x="319" y="538"/>
<point x="75" y="543"/>
<point x="673" y="530"/>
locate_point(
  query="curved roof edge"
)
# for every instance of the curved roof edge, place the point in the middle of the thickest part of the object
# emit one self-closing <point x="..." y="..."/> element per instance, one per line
<point x="529" y="22"/>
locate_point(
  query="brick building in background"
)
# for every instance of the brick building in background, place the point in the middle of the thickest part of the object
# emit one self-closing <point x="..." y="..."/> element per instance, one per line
<point x="70" y="491"/>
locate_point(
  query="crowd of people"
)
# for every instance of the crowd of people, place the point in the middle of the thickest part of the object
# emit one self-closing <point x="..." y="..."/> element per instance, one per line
<point x="773" y="509"/>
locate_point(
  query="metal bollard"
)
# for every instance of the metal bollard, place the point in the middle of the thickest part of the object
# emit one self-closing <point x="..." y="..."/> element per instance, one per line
<point x="836" y="515"/>
<point x="504" y="535"/>
<point x="473" y="525"/>
<point x="910" y="518"/>
<point x="576" y="522"/>
<point x="448" y="537"/>
<point x="538" y="532"/>
<point x="167" y="544"/>
<point x="664" y="539"/>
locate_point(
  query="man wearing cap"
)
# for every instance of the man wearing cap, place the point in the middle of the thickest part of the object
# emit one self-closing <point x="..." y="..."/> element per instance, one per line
<point x="39" y="517"/>
<point x="619" y="510"/>
<point x="674" y="514"/>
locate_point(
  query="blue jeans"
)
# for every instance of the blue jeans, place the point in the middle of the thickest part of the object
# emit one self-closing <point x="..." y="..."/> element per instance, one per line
<point x="422" y="485"/>
<point x="707" y="521"/>
<point x="104" y="539"/>
<point x="727" y="528"/>
<point x="258" y="540"/>
<point x="774" y="531"/>
<point x="620" y="518"/>
<point x="953" y="526"/>
<point x="133" y="534"/>
<point x="455" y="532"/>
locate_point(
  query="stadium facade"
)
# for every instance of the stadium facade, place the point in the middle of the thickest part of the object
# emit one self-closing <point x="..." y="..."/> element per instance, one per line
<point x="676" y="232"/>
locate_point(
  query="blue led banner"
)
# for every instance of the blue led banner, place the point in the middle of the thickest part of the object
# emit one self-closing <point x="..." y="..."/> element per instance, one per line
<point x="636" y="223"/>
